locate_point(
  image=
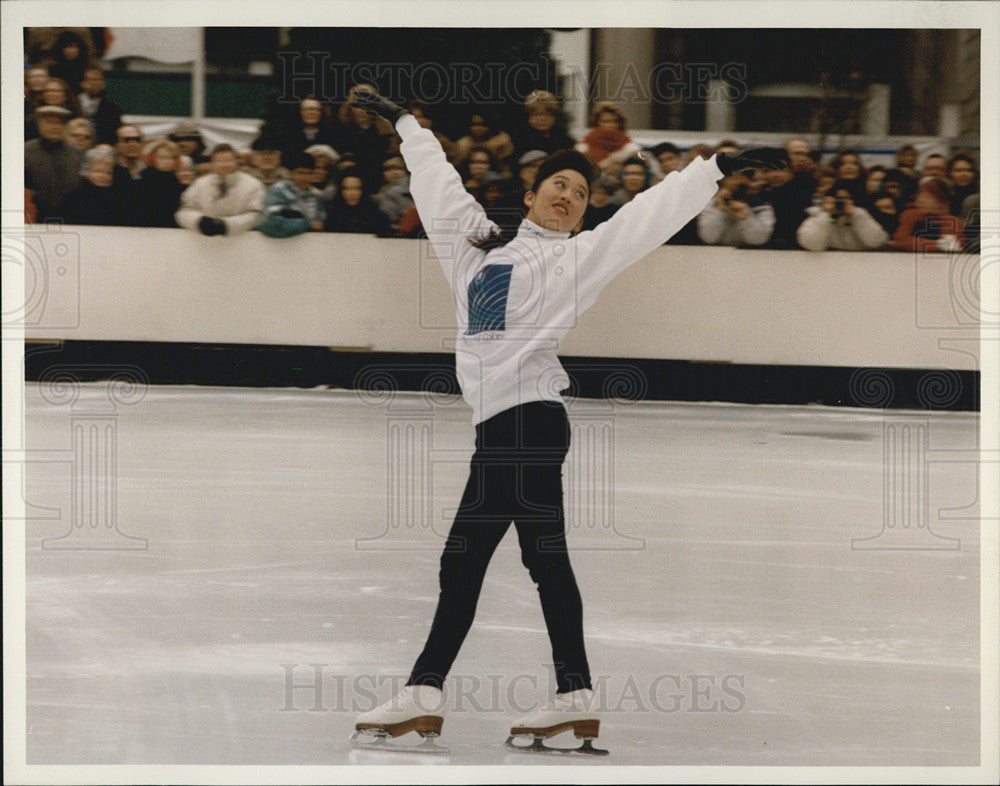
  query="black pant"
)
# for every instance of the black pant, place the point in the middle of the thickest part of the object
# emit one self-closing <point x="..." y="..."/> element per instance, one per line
<point x="515" y="475"/>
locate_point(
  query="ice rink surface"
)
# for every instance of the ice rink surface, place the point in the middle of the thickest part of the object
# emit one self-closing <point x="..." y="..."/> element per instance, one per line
<point x="762" y="585"/>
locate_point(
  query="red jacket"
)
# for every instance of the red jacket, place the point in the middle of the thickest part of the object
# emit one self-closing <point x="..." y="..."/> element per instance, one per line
<point x="916" y="230"/>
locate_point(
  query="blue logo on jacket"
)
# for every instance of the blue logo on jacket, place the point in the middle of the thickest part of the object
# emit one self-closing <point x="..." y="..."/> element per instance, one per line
<point x="488" y="299"/>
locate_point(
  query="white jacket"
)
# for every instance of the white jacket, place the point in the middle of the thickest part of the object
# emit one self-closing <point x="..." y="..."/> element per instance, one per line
<point x="514" y="304"/>
<point x="239" y="208"/>
<point x="721" y="228"/>
<point x="856" y="232"/>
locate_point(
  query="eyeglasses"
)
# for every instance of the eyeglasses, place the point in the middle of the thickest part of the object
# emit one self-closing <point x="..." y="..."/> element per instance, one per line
<point x="130" y="139"/>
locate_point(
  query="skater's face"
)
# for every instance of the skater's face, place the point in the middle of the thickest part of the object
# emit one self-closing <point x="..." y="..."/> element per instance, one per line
<point x="560" y="201"/>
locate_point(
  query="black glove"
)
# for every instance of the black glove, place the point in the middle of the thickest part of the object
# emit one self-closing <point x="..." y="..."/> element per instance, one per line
<point x="375" y="104"/>
<point x="212" y="226"/>
<point x="757" y="158"/>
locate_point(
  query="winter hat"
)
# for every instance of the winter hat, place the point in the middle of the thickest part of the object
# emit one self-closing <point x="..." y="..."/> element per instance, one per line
<point x="47" y="110"/>
<point x="565" y="159"/>
<point x="324" y="150"/>
<point x="185" y="129"/>
<point x="531" y="157"/>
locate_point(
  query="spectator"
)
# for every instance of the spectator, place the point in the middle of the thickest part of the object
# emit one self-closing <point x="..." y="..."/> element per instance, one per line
<point x="840" y="224"/>
<point x="971" y="217"/>
<point x="95" y="201"/>
<point x="159" y="189"/>
<point x="634" y="178"/>
<point x="478" y="163"/>
<point x="186" y="172"/>
<point x="96" y="107"/>
<point x="369" y="139"/>
<point x="57" y="93"/>
<point x="698" y="151"/>
<point x="732" y="219"/>
<point x="600" y="209"/>
<point x="801" y="159"/>
<point x="543" y="127"/>
<point x="422" y="111"/>
<point x="394" y="198"/>
<point x="668" y="157"/>
<point x="128" y="172"/>
<point x="894" y="184"/>
<point x="606" y="143"/>
<point x="128" y="146"/>
<point x="265" y="161"/>
<point x="935" y="165"/>
<point x="225" y="202"/>
<point x="928" y="226"/>
<point x="71" y="58"/>
<point x="353" y="210"/>
<point x="80" y="133"/>
<point x="728" y="146"/>
<point x="848" y="168"/>
<point x="825" y="178"/>
<point x="885" y="211"/>
<point x="290" y="206"/>
<point x="312" y="126"/>
<point x="323" y="184"/>
<point x="483" y="133"/>
<point x="492" y="187"/>
<point x="35" y="78"/>
<point x="873" y="181"/>
<point x="790" y="193"/>
<point x="509" y="211"/>
<point x="906" y="161"/>
<point x="189" y="141"/>
<point x="51" y="165"/>
<point x="964" y="176"/>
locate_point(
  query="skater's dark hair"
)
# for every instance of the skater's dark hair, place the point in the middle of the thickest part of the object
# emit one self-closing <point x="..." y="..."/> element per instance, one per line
<point x="558" y="161"/>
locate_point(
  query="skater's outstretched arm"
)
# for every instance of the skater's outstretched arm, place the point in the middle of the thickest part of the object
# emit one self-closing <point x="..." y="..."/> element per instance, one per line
<point x="449" y="214"/>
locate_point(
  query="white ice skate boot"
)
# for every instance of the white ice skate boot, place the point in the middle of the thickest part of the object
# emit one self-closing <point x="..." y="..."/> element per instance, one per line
<point x="416" y="708"/>
<point x="572" y="711"/>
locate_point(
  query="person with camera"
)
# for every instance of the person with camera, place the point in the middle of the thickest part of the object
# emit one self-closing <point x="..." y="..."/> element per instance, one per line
<point x="839" y="223"/>
<point x="736" y="216"/>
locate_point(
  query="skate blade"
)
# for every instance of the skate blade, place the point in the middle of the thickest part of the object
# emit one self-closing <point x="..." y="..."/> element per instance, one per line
<point x="537" y="746"/>
<point x="378" y="741"/>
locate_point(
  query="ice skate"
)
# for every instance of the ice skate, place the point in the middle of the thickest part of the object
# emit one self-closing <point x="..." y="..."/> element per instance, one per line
<point x="411" y="711"/>
<point x="567" y="712"/>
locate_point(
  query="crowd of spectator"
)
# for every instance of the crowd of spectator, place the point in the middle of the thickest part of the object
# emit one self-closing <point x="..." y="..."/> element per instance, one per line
<point x="341" y="171"/>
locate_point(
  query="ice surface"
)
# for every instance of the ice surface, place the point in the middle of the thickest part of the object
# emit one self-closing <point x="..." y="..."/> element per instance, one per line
<point x="745" y="601"/>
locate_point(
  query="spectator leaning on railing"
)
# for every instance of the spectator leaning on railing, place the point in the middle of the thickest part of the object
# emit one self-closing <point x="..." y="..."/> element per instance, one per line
<point x="225" y="202"/>
<point x="928" y="226"/>
<point x="838" y="223"/>
<point x="735" y="217"/>
<point x="291" y="207"/>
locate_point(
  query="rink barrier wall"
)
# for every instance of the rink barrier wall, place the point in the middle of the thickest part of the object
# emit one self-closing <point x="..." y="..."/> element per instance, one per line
<point x="383" y="373"/>
<point x="699" y="323"/>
